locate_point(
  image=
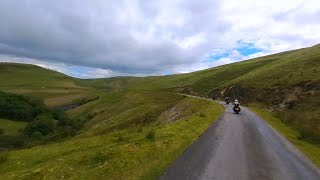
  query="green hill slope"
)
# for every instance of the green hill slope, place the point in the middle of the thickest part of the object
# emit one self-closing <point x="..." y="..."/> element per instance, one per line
<point x="287" y="84"/>
<point x="285" y="69"/>
<point x="15" y="75"/>
<point x="52" y="87"/>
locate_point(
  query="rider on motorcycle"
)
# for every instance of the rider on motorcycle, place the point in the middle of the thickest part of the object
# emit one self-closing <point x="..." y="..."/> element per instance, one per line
<point x="227" y="100"/>
<point x="236" y="103"/>
<point x="236" y="107"/>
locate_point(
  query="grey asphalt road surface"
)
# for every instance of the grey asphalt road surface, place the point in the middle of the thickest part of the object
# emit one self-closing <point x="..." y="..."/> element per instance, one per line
<point x="241" y="147"/>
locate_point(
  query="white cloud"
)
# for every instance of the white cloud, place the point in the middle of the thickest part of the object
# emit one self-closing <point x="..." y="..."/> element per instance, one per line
<point x="192" y="41"/>
<point x="272" y="25"/>
<point x="151" y="37"/>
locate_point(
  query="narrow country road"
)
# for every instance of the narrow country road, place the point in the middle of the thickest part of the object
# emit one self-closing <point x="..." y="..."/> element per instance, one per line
<point x="241" y="147"/>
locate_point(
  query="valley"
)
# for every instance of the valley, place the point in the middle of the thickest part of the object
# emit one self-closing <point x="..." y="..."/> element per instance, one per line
<point x="135" y="127"/>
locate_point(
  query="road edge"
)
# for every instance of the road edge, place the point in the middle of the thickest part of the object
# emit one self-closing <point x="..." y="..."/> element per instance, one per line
<point x="295" y="149"/>
<point x="213" y="125"/>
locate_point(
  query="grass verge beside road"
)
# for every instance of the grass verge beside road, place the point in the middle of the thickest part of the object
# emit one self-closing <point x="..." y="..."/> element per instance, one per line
<point x="312" y="151"/>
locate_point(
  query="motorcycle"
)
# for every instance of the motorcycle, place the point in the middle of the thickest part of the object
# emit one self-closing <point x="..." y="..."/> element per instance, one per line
<point x="236" y="109"/>
<point x="227" y="101"/>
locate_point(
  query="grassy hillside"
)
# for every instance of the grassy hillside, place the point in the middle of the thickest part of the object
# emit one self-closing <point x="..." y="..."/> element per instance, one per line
<point x="15" y="75"/>
<point x="137" y="141"/>
<point x="287" y="84"/>
<point x="52" y="87"/>
<point x="283" y="69"/>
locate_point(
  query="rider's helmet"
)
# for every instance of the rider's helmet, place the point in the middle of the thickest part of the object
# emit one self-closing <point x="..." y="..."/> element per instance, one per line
<point x="236" y="100"/>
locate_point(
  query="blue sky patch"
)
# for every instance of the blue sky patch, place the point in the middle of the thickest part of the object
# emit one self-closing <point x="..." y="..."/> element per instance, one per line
<point x="245" y="49"/>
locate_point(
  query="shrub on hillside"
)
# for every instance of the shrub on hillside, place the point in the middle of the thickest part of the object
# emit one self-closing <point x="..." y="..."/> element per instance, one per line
<point x="44" y="123"/>
<point x="13" y="106"/>
<point x="36" y="135"/>
<point x="61" y="117"/>
<point x="98" y="159"/>
<point x="202" y="114"/>
<point x="151" y="135"/>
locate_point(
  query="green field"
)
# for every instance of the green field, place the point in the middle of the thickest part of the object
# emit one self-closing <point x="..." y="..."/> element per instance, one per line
<point x="11" y="127"/>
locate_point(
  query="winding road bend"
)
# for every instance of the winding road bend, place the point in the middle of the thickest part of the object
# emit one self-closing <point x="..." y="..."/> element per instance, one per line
<point x="241" y="147"/>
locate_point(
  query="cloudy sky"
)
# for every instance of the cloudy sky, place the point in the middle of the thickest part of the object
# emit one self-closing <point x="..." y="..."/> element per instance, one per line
<point x="103" y="38"/>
